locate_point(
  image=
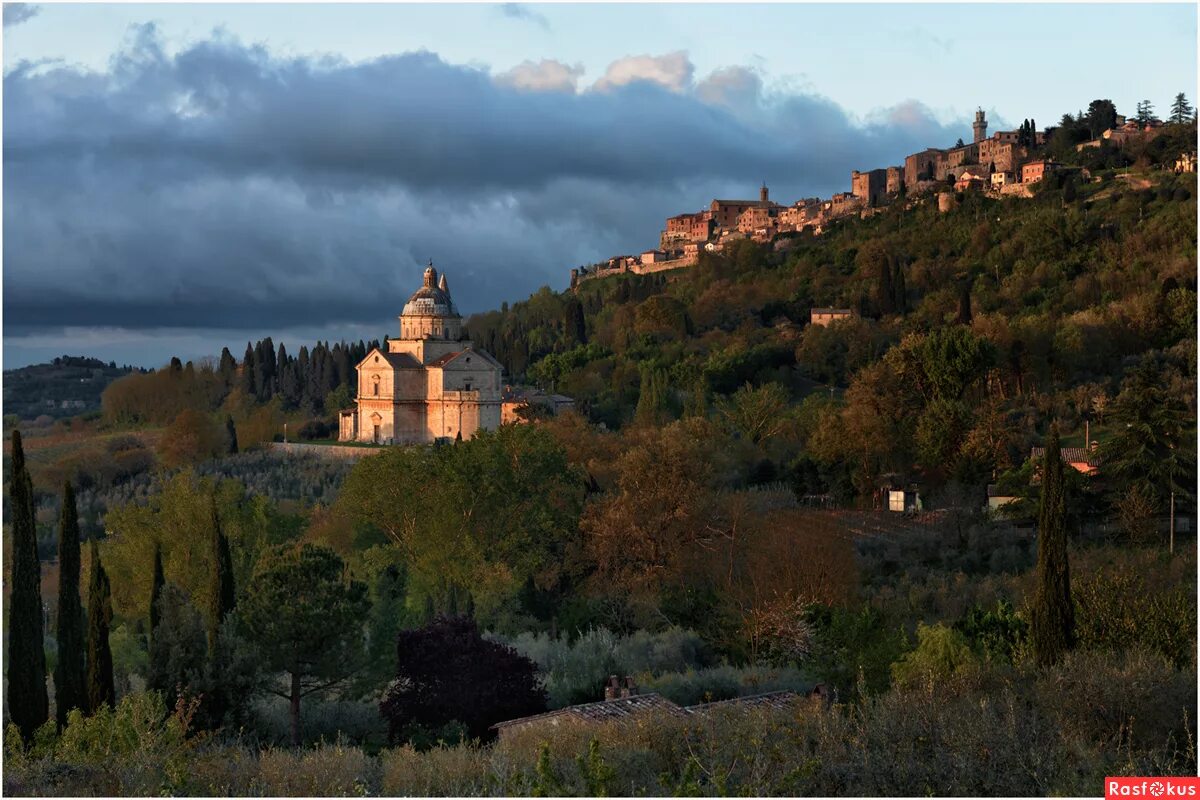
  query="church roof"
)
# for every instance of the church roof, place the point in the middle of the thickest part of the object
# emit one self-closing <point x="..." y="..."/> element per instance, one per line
<point x="396" y="360"/>
<point x="432" y="299"/>
<point x="470" y="351"/>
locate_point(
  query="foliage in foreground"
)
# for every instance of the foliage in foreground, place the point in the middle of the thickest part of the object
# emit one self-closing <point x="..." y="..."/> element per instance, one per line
<point x="980" y="730"/>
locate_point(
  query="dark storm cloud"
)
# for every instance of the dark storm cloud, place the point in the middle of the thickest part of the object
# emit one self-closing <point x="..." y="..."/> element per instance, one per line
<point x="16" y="13"/>
<point x="224" y="187"/>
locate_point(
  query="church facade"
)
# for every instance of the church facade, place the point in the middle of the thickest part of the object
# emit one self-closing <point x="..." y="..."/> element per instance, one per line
<point x="430" y="384"/>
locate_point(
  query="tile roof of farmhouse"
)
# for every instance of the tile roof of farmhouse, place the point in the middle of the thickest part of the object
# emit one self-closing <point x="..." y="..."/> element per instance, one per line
<point x="622" y="709"/>
<point x="1071" y="455"/>
<point x="783" y="699"/>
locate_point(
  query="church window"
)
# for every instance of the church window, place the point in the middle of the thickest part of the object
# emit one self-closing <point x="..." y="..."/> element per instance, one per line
<point x="376" y="384"/>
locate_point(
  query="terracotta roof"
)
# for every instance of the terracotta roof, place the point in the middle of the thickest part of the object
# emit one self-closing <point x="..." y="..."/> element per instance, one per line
<point x="831" y="311"/>
<point x="1071" y="455"/>
<point x="468" y="351"/>
<point x="783" y="699"/>
<point x="621" y="709"/>
<point x="444" y="360"/>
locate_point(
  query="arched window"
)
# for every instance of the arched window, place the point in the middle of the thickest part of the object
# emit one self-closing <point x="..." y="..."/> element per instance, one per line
<point x="376" y="385"/>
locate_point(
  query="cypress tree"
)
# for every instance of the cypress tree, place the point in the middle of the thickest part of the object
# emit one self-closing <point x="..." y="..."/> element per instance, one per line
<point x="231" y="432"/>
<point x="884" y="291"/>
<point x="70" y="673"/>
<point x="221" y="596"/>
<point x="964" y="303"/>
<point x="156" y="590"/>
<point x="901" y="290"/>
<point x="1053" y="630"/>
<point x="248" y="368"/>
<point x="228" y="367"/>
<point x="28" y="702"/>
<point x="100" y="686"/>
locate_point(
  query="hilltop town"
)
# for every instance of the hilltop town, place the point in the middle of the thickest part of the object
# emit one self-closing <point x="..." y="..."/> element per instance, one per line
<point x="1005" y="164"/>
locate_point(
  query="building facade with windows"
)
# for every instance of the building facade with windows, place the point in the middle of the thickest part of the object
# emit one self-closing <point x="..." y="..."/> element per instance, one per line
<point x="429" y="384"/>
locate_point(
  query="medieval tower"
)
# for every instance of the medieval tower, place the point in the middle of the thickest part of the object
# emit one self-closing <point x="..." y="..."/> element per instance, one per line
<point x="980" y="126"/>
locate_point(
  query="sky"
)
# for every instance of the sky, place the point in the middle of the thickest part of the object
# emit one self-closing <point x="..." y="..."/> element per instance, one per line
<point x="182" y="177"/>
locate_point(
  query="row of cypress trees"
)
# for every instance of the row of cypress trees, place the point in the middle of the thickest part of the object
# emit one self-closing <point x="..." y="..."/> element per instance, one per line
<point x="83" y="675"/>
<point x="79" y="682"/>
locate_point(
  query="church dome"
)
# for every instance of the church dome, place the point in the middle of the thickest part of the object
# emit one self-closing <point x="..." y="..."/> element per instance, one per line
<point x="432" y="299"/>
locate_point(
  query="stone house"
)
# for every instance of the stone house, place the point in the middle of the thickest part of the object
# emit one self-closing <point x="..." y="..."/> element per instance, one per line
<point x="825" y="316"/>
<point x="429" y="384"/>
<point x="515" y="398"/>
<point x="696" y="227"/>
<point x="960" y="156"/>
<point x="843" y="204"/>
<point x="1035" y="171"/>
<point x="725" y="213"/>
<point x="894" y="180"/>
<point x="927" y="165"/>
<point x="870" y="187"/>
<point x="759" y="218"/>
<point x="973" y="177"/>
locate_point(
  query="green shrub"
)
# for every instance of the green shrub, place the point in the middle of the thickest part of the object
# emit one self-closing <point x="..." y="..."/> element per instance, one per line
<point x="940" y="653"/>
<point x="1114" y="699"/>
<point x="1115" y="610"/>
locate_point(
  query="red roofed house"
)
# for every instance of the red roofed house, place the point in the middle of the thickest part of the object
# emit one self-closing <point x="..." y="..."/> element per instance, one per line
<point x="1081" y="459"/>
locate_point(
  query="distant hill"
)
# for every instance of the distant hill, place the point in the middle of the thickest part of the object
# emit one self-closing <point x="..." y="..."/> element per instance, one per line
<point x="67" y="386"/>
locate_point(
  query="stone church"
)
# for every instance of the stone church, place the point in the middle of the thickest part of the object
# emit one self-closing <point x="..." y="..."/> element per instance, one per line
<point x="429" y="384"/>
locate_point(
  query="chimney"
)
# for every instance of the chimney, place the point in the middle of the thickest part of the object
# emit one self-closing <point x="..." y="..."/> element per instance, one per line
<point x="630" y="688"/>
<point x="612" y="690"/>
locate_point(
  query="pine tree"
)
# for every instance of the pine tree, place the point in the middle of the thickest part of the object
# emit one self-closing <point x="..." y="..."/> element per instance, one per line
<point x="100" y="688"/>
<point x="1181" y="109"/>
<point x="28" y="702"/>
<point x="1053" y="630"/>
<point x="70" y="673"/>
<point x="231" y="432"/>
<point x="1145" y="112"/>
<point x="221" y="596"/>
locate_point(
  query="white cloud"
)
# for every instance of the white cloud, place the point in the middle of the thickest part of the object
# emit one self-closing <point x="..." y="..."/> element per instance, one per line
<point x="673" y="70"/>
<point x="546" y="75"/>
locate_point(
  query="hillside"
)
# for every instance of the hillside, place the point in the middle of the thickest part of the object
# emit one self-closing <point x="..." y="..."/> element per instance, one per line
<point x="1064" y="292"/>
<point x="65" y="387"/>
